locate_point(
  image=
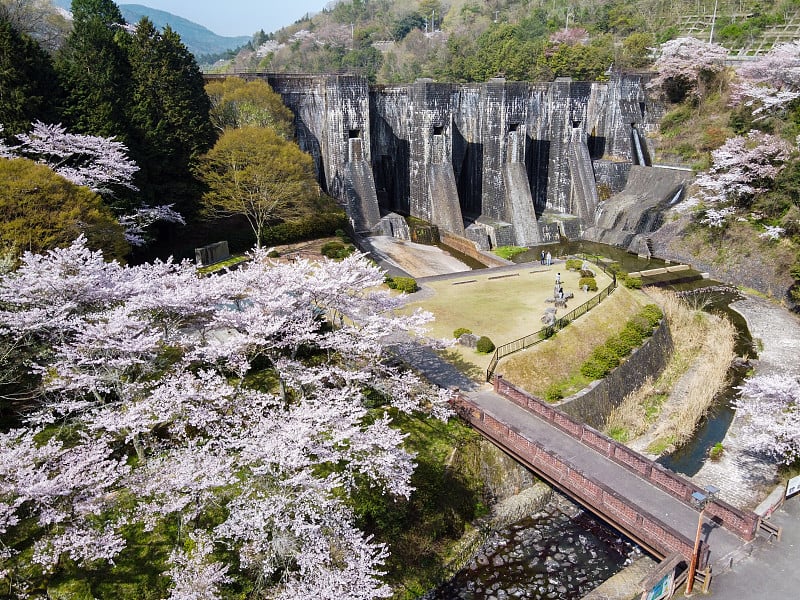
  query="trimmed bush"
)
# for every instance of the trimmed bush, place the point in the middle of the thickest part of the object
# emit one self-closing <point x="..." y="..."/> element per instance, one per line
<point x="615" y="268"/>
<point x="461" y="331"/>
<point x="652" y="313"/>
<point x="632" y="283"/>
<point x="336" y="250"/>
<point x="485" y="345"/>
<point x="587" y="273"/>
<point x="589" y="282"/>
<point x="631" y="335"/>
<point x="574" y="264"/>
<point x="601" y="363"/>
<point x="621" y="345"/>
<point x="403" y="284"/>
<point x="274" y="254"/>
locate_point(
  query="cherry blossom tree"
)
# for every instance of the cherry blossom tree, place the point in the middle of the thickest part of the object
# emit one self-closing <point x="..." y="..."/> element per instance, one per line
<point x="98" y="163"/>
<point x="741" y="168"/>
<point x="152" y="410"/>
<point x="770" y="82"/>
<point x="686" y="67"/>
<point x="770" y="406"/>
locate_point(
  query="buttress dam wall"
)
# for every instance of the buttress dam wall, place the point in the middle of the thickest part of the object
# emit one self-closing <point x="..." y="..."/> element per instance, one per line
<point x="499" y="162"/>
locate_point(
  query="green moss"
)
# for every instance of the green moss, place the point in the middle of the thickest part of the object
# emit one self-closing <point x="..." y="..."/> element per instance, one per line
<point x="508" y="252"/>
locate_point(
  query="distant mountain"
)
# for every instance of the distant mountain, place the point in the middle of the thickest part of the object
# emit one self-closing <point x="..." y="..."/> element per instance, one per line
<point x="197" y="38"/>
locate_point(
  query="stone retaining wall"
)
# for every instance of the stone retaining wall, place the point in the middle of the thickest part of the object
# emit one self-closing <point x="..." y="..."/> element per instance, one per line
<point x="593" y="404"/>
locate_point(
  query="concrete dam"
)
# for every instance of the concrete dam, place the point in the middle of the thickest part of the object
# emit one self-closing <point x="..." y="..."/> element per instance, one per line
<point x="497" y="163"/>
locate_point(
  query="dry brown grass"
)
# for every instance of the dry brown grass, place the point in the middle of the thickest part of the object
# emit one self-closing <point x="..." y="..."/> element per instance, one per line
<point x="694" y="375"/>
<point x="559" y="359"/>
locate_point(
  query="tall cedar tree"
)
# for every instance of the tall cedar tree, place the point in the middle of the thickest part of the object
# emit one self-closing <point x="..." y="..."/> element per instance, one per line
<point x="28" y="85"/>
<point x="94" y="71"/>
<point x="169" y="115"/>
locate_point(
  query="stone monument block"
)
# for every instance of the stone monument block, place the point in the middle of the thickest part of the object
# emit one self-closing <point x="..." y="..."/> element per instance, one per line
<point x="213" y="253"/>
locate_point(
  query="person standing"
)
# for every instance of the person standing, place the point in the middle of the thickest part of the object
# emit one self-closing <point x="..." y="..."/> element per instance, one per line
<point x="558" y="278"/>
<point x="549" y="259"/>
<point x="541" y="260"/>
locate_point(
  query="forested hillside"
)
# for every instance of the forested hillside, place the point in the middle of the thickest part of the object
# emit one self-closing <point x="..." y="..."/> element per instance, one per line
<point x="473" y="40"/>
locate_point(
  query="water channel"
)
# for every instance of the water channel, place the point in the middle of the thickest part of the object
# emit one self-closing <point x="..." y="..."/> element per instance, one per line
<point x="565" y="552"/>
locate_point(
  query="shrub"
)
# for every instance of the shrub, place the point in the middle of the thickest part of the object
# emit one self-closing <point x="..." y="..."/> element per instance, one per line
<point x="403" y="284"/>
<point x="274" y="254"/>
<point x="631" y="335"/>
<point x="574" y="264"/>
<point x="485" y="345"/>
<point x="313" y="227"/>
<point x="587" y="273"/>
<point x="632" y="283"/>
<point x="602" y="361"/>
<point x="553" y="393"/>
<point x="336" y="250"/>
<point x="461" y="331"/>
<point x="589" y="282"/>
<point x="715" y="452"/>
<point x="547" y="333"/>
<point x="621" y="345"/>
<point x="652" y="313"/>
<point x="615" y="268"/>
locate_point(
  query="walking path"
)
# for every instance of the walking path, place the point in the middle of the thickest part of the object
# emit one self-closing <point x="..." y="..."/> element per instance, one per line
<point x="745" y="477"/>
<point x="771" y="570"/>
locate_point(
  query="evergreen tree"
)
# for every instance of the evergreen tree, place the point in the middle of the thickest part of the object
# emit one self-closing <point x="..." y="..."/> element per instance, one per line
<point x="94" y="70"/>
<point x="169" y="115"/>
<point x="28" y="89"/>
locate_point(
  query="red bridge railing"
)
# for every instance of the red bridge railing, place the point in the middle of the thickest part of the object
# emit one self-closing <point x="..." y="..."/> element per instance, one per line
<point x="740" y="522"/>
<point x="640" y="525"/>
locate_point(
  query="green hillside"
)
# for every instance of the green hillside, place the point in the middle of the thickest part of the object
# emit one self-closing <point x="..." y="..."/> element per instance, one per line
<point x="197" y="38"/>
<point x="474" y="40"/>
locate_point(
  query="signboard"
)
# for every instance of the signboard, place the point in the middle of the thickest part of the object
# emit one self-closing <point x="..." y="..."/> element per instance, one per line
<point x="793" y="486"/>
<point x="663" y="588"/>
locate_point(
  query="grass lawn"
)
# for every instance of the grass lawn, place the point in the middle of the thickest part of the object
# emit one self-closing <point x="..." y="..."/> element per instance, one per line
<point x="558" y="360"/>
<point x="503" y="306"/>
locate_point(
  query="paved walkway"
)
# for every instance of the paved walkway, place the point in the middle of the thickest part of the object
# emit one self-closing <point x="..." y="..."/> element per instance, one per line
<point x="744" y="476"/>
<point x="724" y="544"/>
<point x="771" y="571"/>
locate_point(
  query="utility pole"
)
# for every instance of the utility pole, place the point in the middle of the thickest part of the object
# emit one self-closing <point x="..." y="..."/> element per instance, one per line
<point x="713" y="22"/>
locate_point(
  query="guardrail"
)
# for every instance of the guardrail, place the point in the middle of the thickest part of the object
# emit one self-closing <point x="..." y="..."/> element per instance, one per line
<point x="640" y="525"/>
<point x="547" y="332"/>
<point x="740" y="522"/>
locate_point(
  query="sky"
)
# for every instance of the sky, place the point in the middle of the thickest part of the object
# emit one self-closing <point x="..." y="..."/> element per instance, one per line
<point x="237" y="17"/>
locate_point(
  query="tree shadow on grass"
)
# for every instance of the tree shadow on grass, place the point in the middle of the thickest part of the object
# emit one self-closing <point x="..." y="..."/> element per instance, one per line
<point x="476" y="374"/>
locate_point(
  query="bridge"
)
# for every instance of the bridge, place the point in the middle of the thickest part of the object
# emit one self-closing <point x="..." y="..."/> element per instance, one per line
<point x="644" y="500"/>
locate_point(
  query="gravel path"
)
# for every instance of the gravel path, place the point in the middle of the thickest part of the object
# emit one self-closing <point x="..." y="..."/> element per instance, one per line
<point x="743" y="476"/>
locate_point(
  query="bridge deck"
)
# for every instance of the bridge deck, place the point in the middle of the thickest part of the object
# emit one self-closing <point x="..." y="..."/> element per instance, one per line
<point x="637" y="491"/>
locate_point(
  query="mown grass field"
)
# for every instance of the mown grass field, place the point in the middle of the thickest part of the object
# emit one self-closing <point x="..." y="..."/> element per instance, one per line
<point x="503" y="306"/>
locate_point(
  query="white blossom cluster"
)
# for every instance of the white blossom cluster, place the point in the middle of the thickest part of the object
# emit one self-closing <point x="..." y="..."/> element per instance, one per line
<point x="98" y="163"/>
<point x="148" y="368"/>
<point x="770" y="409"/>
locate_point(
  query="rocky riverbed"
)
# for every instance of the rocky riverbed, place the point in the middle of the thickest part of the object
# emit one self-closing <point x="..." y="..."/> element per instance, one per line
<point x="559" y="552"/>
